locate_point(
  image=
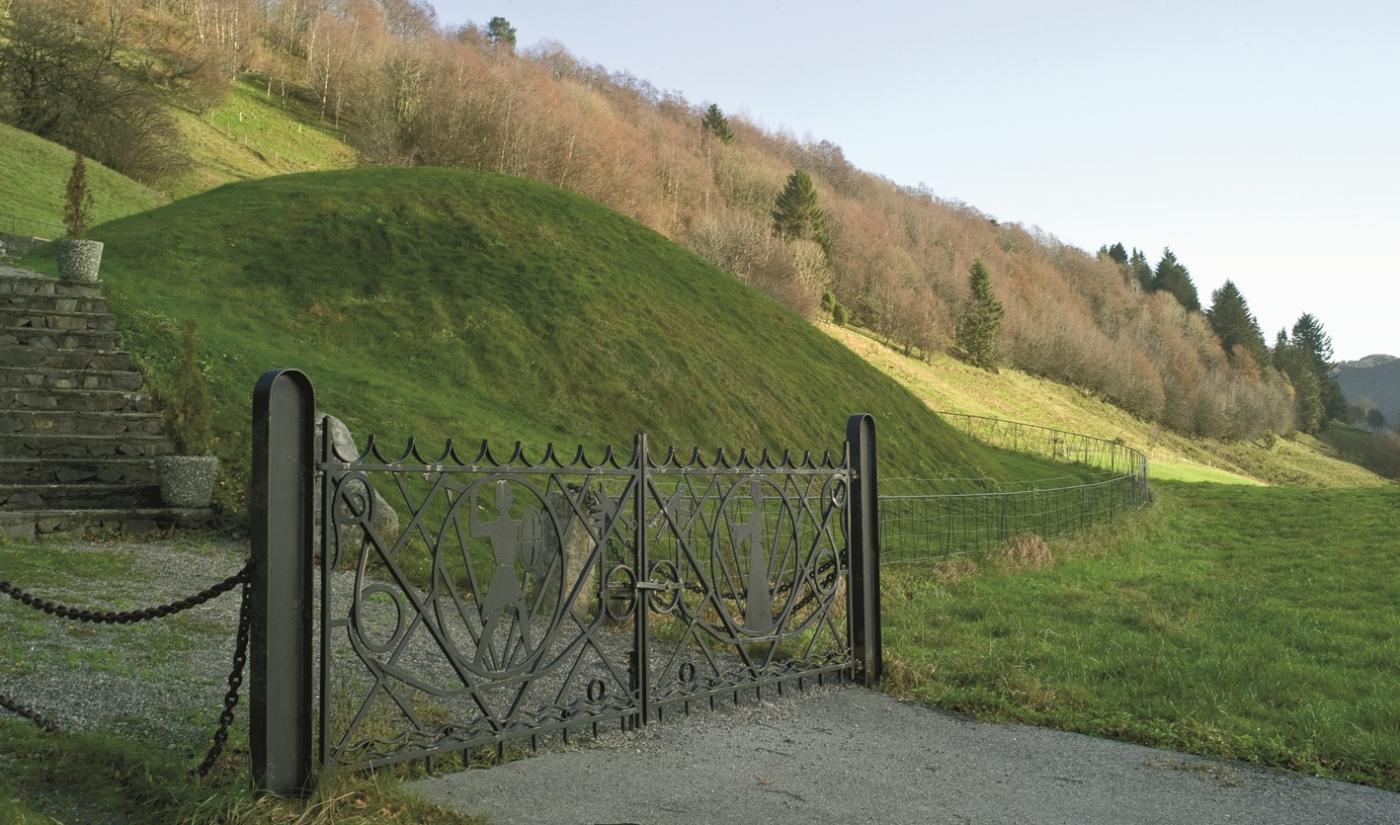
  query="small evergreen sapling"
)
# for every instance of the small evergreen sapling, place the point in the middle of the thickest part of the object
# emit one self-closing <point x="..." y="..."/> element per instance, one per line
<point x="77" y="206"/>
<point x="187" y="404"/>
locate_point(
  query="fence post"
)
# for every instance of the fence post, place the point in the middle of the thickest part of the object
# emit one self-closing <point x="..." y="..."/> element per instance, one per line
<point x="280" y="509"/>
<point x="865" y="548"/>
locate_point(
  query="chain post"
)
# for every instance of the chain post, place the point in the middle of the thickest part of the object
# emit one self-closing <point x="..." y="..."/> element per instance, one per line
<point x="281" y="510"/>
<point x="865" y="548"/>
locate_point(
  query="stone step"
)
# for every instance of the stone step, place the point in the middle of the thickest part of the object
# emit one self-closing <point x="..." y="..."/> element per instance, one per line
<point x="77" y="496"/>
<point x="77" y="400"/>
<point x="66" y="445"/>
<point x="23" y="282"/>
<point x="41" y="378"/>
<point x="134" y="520"/>
<point x="66" y="339"/>
<point x="66" y="359"/>
<point x="77" y="470"/>
<point x="67" y="422"/>
<point x="32" y="318"/>
<point x="52" y="303"/>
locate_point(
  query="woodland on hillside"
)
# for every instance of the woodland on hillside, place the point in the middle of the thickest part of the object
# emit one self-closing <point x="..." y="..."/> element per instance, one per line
<point x="793" y="218"/>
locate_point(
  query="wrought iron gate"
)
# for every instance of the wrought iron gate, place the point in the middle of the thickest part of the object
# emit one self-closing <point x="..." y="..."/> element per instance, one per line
<point x="468" y="600"/>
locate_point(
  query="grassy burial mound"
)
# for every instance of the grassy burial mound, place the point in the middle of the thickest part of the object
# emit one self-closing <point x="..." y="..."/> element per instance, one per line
<point x="439" y="303"/>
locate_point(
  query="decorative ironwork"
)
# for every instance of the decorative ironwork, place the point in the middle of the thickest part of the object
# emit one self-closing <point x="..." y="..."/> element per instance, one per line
<point x="524" y="597"/>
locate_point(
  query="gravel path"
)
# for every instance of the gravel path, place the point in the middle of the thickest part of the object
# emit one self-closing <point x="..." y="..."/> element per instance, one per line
<point x="161" y="681"/>
<point x="856" y="756"/>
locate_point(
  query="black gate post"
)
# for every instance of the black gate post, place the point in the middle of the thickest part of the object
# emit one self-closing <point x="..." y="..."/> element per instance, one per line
<point x="641" y="654"/>
<point x="280" y="509"/>
<point x="865" y="548"/>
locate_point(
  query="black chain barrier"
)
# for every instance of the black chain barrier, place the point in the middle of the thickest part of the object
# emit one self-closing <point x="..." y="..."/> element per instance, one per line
<point x="240" y="656"/>
<point x="15" y="707"/>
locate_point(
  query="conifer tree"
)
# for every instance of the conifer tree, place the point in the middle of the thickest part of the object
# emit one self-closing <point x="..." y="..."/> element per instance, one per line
<point x="1232" y="321"/>
<point x="1313" y="343"/>
<point x="501" y="33"/>
<point x="1312" y="339"/>
<point x="1280" y="351"/>
<point x="980" y="322"/>
<point x="1311" y="412"/>
<point x="1172" y="277"/>
<point x="715" y="123"/>
<point x="1118" y="254"/>
<point x="796" y="214"/>
<point x="1141" y="269"/>
<point x="77" y="204"/>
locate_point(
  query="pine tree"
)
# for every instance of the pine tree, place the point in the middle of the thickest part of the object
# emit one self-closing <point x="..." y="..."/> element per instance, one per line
<point x="78" y="201"/>
<point x="1313" y="343"/>
<point x="1311" y="412"/>
<point x="1141" y="269"/>
<point x="1172" y="277"/>
<point x="501" y="33"/>
<point x="1232" y="321"/>
<point x="1310" y="336"/>
<point x="715" y="123"/>
<point x="1280" y="351"/>
<point x="1118" y="254"/>
<point x="980" y="322"/>
<point x="796" y="214"/>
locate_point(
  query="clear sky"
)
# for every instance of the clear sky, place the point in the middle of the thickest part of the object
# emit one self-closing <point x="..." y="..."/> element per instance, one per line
<point x="1259" y="140"/>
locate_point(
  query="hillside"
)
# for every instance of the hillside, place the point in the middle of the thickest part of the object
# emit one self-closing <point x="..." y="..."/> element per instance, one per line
<point x="403" y="90"/>
<point x="33" y="173"/>
<point x="1373" y="383"/>
<point x="252" y="134"/>
<point x="948" y="384"/>
<point x="441" y="303"/>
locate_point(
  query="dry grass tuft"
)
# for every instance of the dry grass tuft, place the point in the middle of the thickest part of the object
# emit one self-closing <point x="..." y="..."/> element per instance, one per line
<point x="1027" y="551"/>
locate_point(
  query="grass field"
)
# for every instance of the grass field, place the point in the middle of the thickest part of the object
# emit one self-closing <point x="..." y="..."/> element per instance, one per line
<point x="948" y="384"/>
<point x="443" y="303"/>
<point x="33" y="175"/>
<point x="1248" y="623"/>
<point x="252" y="134"/>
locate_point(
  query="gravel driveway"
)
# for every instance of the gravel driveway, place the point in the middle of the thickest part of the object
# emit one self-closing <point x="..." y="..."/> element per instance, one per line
<point x="851" y="755"/>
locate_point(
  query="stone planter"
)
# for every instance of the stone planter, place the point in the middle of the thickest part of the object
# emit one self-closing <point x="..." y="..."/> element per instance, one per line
<point x="187" y="480"/>
<point x="79" y="260"/>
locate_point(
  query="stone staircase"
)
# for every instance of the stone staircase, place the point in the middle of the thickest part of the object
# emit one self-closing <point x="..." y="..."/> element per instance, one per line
<point x="77" y="435"/>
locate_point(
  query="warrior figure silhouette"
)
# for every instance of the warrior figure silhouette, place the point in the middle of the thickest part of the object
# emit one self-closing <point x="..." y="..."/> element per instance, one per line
<point x="758" y="601"/>
<point x="505" y="596"/>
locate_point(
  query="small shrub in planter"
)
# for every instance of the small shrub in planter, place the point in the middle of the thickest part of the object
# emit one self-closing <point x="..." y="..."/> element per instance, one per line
<point x="187" y="479"/>
<point x="78" y="259"/>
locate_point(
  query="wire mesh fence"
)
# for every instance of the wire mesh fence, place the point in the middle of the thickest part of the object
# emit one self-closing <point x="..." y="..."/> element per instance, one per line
<point x="29" y="228"/>
<point x="957" y="516"/>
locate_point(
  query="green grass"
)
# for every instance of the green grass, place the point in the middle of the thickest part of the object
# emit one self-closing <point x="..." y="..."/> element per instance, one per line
<point x="34" y="174"/>
<point x="1249" y="623"/>
<point x="252" y="134"/>
<point x="947" y="384"/>
<point x="80" y="778"/>
<point x="441" y="303"/>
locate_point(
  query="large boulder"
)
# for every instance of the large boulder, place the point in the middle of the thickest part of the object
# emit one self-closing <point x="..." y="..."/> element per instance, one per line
<point x="384" y="521"/>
